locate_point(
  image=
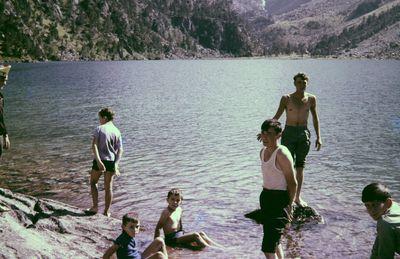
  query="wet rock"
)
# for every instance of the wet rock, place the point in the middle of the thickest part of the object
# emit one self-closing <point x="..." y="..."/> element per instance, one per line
<point x="301" y="215"/>
<point x="43" y="228"/>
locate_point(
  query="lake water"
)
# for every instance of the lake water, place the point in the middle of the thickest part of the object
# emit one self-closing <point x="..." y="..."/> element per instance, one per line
<point x="193" y="125"/>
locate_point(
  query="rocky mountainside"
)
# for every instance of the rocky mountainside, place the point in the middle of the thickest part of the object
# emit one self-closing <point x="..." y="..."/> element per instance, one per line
<point x="340" y="28"/>
<point x="157" y="29"/>
<point x="126" y="29"/>
<point x="343" y="28"/>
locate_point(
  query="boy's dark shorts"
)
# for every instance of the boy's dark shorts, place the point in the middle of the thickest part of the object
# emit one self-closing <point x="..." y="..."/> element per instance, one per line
<point x="297" y="140"/>
<point x="274" y="217"/>
<point x="110" y="165"/>
<point x="170" y="239"/>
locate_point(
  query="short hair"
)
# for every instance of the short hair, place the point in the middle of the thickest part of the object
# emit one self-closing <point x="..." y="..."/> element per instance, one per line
<point x="107" y="112"/>
<point x="375" y="192"/>
<point x="301" y="75"/>
<point x="272" y="123"/>
<point x="130" y="217"/>
<point x="175" y="191"/>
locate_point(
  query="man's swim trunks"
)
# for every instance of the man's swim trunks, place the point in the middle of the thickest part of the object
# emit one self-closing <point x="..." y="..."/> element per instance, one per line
<point x="110" y="165"/>
<point x="297" y="140"/>
<point x="274" y="217"/>
<point x="170" y="239"/>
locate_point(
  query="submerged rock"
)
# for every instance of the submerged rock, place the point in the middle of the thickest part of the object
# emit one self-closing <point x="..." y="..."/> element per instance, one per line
<point x="40" y="228"/>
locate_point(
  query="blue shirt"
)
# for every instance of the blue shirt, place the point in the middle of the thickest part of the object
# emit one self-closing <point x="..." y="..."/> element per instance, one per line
<point x="109" y="140"/>
<point x="127" y="247"/>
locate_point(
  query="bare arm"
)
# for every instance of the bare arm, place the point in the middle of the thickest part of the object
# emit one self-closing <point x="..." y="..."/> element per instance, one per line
<point x="95" y="150"/>
<point x="281" y="108"/>
<point x="119" y="155"/>
<point x="117" y="158"/>
<point x="160" y="224"/>
<point x="110" y="251"/>
<point x="285" y="163"/>
<point x="314" y="114"/>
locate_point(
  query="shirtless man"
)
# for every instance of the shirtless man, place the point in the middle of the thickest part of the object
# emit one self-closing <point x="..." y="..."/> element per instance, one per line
<point x="296" y="136"/>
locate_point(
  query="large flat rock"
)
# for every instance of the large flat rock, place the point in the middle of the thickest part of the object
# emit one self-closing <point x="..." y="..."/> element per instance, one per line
<point x="40" y="228"/>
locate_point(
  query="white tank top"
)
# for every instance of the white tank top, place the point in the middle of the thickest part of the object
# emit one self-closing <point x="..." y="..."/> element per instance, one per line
<point x="273" y="178"/>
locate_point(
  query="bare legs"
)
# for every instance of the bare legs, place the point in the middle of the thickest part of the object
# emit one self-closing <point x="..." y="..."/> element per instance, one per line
<point x="200" y="238"/>
<point x="108" y="181"/>
<point x="299" y="177"/>
<point x="277" y="255"/>
<point x="94" y="179"/>
<point x="156" y="250"/>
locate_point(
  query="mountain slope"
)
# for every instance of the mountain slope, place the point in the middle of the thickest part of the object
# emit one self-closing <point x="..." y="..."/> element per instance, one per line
<point x="307" y="28"/>
<point x="125" y="29"/>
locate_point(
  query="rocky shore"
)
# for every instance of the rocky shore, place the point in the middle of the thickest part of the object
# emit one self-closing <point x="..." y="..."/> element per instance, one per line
<point x="43" y="228"/>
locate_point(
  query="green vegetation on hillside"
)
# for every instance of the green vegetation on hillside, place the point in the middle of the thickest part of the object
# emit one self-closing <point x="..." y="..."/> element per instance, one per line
<point x="349" y="38"/>
<point x="125" y="29"/>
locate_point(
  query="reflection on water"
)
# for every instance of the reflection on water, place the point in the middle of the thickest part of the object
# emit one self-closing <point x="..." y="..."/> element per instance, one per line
<point x="193" y="125"/>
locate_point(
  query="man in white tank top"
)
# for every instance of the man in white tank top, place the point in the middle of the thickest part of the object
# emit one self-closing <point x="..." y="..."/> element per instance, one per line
<point x="279" y="188"/>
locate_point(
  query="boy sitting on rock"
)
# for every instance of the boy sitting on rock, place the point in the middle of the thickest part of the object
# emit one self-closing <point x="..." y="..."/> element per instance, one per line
<point x="171" y="223"/>
<point x="126" y="247"/>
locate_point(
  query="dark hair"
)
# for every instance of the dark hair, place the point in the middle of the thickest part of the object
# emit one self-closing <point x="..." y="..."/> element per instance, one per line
<point x="301" y="75"/>
<point x="375" y="192"/>
<point x="130" y="217"/>
<point x="107" y="112"/>
<point x="175" y="191"/>
<point x="271" y="123"/>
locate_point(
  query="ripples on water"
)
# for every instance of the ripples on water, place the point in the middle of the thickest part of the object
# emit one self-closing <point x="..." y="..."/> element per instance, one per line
<point x="193" y="125"/>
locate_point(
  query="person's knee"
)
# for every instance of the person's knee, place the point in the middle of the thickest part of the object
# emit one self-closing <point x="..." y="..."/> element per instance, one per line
<point x="270" y="255"/>
<point x="300" y="163"/>
<point x="159" y="241"/>
<point x="160" y="255"/>
<point x="93" y="183"/>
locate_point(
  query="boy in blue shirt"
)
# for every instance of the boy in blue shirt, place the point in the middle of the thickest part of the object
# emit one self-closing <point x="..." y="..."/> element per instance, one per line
<point x="386" y="212"/>
<point x="107" y="150"/>
<point x="126" y="247"/>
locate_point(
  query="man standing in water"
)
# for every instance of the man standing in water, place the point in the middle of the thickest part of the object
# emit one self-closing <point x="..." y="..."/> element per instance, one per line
<point x="296" y="136"/>
<point x="107" y="150"/>
<point x="3" y="131"/>
<point x="279" y="188"/>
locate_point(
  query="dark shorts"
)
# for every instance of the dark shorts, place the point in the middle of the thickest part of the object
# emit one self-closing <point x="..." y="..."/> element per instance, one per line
<point x="170" y="239"/>
<point x="110" y="165"/>
<point x="297" y="140"/>
<point x="274" y="217"/>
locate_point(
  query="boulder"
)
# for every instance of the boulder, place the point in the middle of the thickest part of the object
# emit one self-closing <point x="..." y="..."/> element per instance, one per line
<point x="43" y="228"/>
<point x="301" y="216"/>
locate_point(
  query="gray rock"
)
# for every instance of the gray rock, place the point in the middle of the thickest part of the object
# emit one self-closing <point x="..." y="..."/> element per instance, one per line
<point x="43" y="228"/>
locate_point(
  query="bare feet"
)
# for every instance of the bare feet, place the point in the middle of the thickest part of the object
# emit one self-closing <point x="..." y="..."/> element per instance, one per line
<point x="301" y="203"/>
<point x="91" y="211"/>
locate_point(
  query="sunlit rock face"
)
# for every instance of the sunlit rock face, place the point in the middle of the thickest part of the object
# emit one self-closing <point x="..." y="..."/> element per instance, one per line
<point x="44" y="228"/>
